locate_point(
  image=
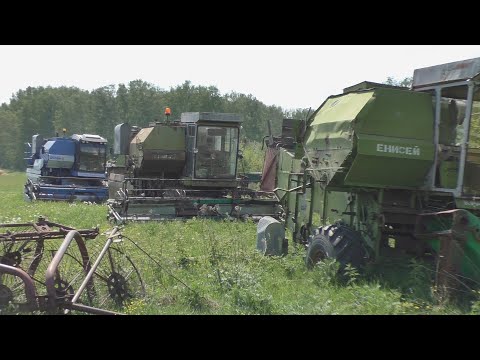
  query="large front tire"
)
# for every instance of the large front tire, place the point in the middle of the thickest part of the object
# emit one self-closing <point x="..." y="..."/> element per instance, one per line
<point x="319" y="250"/>
<point x="337" y="242"/>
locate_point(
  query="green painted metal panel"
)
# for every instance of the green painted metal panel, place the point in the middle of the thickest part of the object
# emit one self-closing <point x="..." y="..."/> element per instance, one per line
<point x="284" y="168"/>
<point x="448" y="172"/>
<point x="329" y="138"/>
<point x="374" y="171"/>
<point x="159" y="147"/>
<point x="332" y="127"/>
<point x="473" y="204"/>
<point x="397" y="113"/>
<point x="470" y="263"/>
<point x="336" y="204"/>
<point x="378" y="138"/>
<point x="343" y="108"/>
<point x="164" y="137"/>
<point x="395" y="140"/>
<point x="396" y="148"/>
<point x="318" y="198"/>
<point x="288" y="179"/>
<point x="364" y="85"/>
<point x="390" y="162"/>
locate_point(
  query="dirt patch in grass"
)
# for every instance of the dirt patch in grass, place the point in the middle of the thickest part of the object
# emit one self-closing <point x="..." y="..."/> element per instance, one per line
<point x="2" y="172"/>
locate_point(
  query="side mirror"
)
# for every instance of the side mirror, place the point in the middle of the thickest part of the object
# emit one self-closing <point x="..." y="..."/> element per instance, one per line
<point x="240" y="154"/>
<point x="110" y="150"/>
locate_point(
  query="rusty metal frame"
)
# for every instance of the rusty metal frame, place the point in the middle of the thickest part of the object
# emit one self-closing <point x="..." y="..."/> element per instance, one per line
<point x="30" y="291"/>
<point x="53" y="303"/>
<point x="53" y="266"/>
<point x="243" y="197"/>
<point x="42" y="231"/>
<point x="88" y="281"/>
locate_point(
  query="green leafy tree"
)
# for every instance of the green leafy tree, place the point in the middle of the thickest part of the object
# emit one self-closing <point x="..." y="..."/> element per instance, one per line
<point x="407" y="82"/>
<point x="11" y="150"/>
<point x="47" y="110"/>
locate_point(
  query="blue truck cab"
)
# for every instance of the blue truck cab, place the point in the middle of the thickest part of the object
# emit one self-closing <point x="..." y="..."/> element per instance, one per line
<point x="67" y="168"/>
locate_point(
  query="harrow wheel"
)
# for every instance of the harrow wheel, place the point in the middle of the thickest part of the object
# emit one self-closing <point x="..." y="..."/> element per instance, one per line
<point x="21" y="254"/>
<point x="69" y="276"/>
<point x="13" y="258"/>
<point x="117" y="280"/>
<point x="12" y="293"/>
<point x="6" y="296"/>
<point x="25" y="255"/>
<point x="117" y="288"/>
<point x="64" y="290"/>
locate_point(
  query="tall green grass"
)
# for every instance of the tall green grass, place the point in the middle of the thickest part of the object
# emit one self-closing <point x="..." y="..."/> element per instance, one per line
<point x="212" y="267"/>
<point x="252" y="157"/>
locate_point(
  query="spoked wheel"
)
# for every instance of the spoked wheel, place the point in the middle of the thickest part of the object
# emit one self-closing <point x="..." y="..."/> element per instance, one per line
<point x="12" y="293"/>
<point x="13" y="258"/>
<point x="21" y="254"/>
<point x="68" y="277"/>
<point x="63" y="290"/>
<point x="117" y="288"/>
<point x="117" y="280"/>
<point x="6" y="296"/>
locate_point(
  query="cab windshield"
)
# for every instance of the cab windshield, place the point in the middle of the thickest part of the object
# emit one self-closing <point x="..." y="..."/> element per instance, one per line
<point x="92" y="157"/>
<point x="216" y="152"/>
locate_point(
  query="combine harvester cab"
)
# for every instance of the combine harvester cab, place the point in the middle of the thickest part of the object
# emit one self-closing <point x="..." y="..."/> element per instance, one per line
<point x="67" y="168"/>
<point x="182" y="169"/>
<point x="380" y="169"/>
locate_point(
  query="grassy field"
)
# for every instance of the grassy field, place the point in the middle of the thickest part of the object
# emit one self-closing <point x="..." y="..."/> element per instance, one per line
<point x="212" y="267"/>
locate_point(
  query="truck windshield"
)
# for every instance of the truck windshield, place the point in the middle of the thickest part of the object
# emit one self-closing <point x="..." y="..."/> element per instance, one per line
<point x="92" y="157"/>
<point x="217" y="152"/>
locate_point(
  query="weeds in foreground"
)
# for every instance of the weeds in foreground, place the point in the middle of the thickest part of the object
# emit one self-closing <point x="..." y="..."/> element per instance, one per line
<point x="212" y="267"/>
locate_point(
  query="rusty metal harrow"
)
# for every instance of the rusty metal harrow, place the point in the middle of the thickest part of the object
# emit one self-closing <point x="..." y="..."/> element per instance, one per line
<point x="52" y="268"/>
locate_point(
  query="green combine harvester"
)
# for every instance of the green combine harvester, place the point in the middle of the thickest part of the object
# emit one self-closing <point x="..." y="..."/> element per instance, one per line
<point x="181" y="169"/>
<point x="381" y="170"/>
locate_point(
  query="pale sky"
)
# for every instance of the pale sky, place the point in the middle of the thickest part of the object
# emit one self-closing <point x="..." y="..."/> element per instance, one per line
<point x="290" y="76"/>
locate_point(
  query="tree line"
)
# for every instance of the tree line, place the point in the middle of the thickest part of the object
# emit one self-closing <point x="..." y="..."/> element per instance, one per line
<point x="48" y="110"/>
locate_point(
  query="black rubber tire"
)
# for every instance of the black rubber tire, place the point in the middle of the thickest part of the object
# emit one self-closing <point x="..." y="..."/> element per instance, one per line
<point x="338" y="242"/>
<point x="318" y="250"/>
